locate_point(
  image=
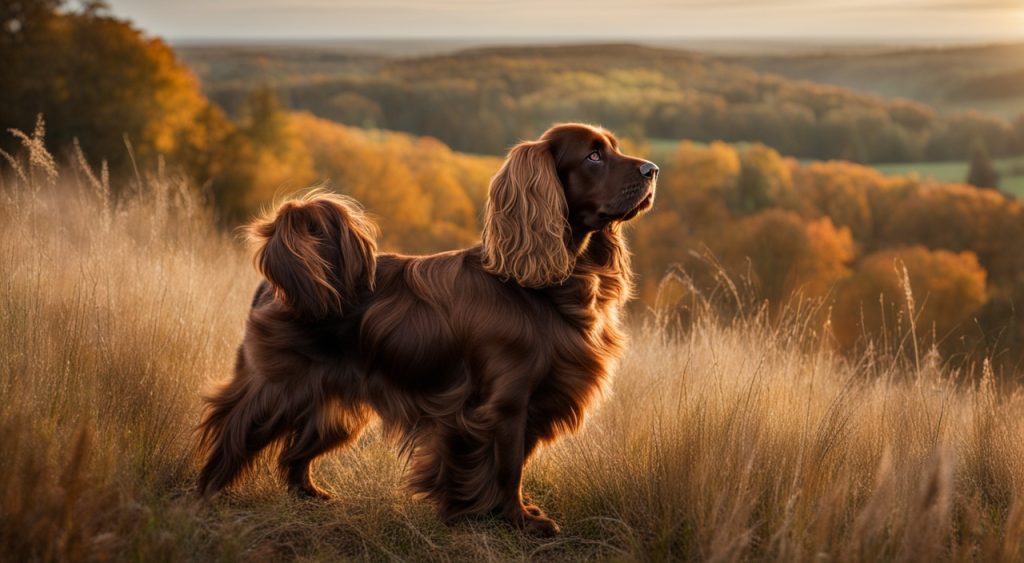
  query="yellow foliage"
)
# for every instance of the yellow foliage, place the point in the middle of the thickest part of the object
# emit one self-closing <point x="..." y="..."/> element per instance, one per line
<point x="840" y="191"/>
<point x="712" y="169"/>
<point x="425" y="197"/>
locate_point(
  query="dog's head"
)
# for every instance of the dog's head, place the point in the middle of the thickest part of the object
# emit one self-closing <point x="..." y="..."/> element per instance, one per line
<point x="551" y="193"/>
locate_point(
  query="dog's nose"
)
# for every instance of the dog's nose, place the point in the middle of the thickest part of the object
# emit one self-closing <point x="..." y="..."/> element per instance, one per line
<point x="648" y="169"/>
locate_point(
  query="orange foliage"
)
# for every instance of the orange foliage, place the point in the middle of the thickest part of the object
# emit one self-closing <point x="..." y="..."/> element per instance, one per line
<point x="99" y="80"/>
<point x="947" y="290"/>
<point x="424" y="195"/>
<point x="698" y="176"/>
<point x="785" y="254"/>
<point x="421" y="192"/>
<point x="961" y="217"/>
<point x="961" y="245"/>
<point x="840" y="191"/>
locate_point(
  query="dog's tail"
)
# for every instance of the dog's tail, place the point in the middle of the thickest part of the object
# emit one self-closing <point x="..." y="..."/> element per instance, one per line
<point x="318" y="253"/>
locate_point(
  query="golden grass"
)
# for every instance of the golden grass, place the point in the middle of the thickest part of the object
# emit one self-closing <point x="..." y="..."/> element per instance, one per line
<point x="747" y="440"/>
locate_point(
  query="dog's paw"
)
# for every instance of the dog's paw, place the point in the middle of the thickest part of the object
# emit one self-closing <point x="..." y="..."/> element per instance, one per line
<point x="540" y="525"/>
<point x="532" y="520"/>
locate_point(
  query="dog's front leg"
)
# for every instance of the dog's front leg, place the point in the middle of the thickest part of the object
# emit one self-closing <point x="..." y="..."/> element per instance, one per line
<point x="510" y="454"/>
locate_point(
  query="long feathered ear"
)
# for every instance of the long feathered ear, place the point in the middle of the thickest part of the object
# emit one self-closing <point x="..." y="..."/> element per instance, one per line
<point x="526" y="229"/>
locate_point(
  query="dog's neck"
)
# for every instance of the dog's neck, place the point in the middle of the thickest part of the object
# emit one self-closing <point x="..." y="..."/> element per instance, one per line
<point x="605" y="248"/>
<point x="603" y="256"/>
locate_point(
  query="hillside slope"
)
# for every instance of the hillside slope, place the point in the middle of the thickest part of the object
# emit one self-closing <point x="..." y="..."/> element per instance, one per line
<point x="483" y="100"/>
<point x="988" y="78"/>
<point x="744" y="440"/>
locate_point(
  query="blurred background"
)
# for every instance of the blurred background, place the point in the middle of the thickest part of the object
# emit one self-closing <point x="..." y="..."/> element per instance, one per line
<point x="822" y="156"/>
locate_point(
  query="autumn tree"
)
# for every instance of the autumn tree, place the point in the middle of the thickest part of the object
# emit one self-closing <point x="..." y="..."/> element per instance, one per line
<point x="787" y="254"/>
<point x="899" y="290"/>
<point x="840" y="191"/>
<point x="665" y="241"/>
<point x="425" y="197"/>
<point x="960" y="218"/>
<point x="97" y="79"/>
<point x="264" y="158"/>
<point x="697" y="181"/>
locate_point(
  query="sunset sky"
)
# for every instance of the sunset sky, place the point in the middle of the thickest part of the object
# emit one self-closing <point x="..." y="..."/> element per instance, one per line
<point x="791" y="19"/>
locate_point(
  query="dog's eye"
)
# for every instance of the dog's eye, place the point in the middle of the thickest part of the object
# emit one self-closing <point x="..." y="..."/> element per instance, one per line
<point x="594" y="156"/>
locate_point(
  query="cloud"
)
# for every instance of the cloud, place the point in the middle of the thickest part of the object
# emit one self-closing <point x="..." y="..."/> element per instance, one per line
<point x="593" y="18"/>
<point x="980" y="5"/>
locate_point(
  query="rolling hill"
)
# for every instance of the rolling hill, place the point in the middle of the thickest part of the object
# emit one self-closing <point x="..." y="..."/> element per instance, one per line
<point x="987" y="77"/>
<point x="483" y="100"/>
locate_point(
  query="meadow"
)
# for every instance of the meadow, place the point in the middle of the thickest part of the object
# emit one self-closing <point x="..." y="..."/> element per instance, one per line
<point x="722" y="439"/>
<point x="1011" y="172"/>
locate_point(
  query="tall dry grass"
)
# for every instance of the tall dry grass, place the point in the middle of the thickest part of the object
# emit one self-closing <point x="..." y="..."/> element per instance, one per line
<point x="742" y="440"/>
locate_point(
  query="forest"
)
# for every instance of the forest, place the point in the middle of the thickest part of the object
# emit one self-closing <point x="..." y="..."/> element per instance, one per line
<point x="483" y="100"/>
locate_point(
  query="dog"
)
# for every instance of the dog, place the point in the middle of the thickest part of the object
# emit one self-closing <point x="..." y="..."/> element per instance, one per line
<point x="470" y="358"/>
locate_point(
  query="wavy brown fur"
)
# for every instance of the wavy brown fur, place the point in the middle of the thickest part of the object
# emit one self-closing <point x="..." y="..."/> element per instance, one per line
<point x="470" y="358"/>
<point x="526" y="228"/>
<point x="317" y="251"/>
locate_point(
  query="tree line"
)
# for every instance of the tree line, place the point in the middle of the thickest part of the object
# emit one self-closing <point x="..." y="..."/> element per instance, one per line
<point x="845" y="236"/>
<point x="482" y="101"/>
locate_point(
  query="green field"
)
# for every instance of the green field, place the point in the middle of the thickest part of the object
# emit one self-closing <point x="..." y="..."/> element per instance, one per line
<point x="662" y="150"/>
<point x="1011" y="172"/>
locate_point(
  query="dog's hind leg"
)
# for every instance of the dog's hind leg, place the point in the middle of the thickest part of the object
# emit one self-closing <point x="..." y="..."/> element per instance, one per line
<point x="324" y="426"/>
<point x="242" y="418"/>
<point x="329" y="416"/>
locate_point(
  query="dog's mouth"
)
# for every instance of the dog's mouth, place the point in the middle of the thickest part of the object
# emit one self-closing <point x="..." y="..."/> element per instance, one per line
<point x="646" y="203"/>
<point x="632" y="207"/>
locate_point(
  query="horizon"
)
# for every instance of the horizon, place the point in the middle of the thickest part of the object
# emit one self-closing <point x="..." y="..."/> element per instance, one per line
<point x="713" y="46"/>
<point x="858" y="40"/>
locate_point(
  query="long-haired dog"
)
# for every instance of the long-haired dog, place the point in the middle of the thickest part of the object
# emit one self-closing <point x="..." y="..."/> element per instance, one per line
<point x="471" y="358"/>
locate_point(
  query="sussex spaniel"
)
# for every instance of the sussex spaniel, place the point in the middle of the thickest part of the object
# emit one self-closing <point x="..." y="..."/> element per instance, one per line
<point x="471" y="357"/>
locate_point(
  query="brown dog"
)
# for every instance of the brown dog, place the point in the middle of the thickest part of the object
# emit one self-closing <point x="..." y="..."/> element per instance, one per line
<point x="470" y="357"/>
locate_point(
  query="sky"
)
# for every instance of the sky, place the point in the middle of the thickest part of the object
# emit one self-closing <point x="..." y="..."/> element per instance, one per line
<point x="575" y="19"/>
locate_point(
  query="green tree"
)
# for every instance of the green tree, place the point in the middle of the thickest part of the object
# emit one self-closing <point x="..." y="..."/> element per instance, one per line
<point x="982" y="173"/>
<point x="765" y="181"/>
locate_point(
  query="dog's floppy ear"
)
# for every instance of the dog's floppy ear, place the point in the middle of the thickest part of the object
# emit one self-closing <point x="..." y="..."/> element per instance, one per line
<point x="526" y="229"/>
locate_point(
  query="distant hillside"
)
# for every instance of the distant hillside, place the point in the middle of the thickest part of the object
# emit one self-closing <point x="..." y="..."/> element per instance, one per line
<point x="988" y="78"/>
<point x="483" y="100"/>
